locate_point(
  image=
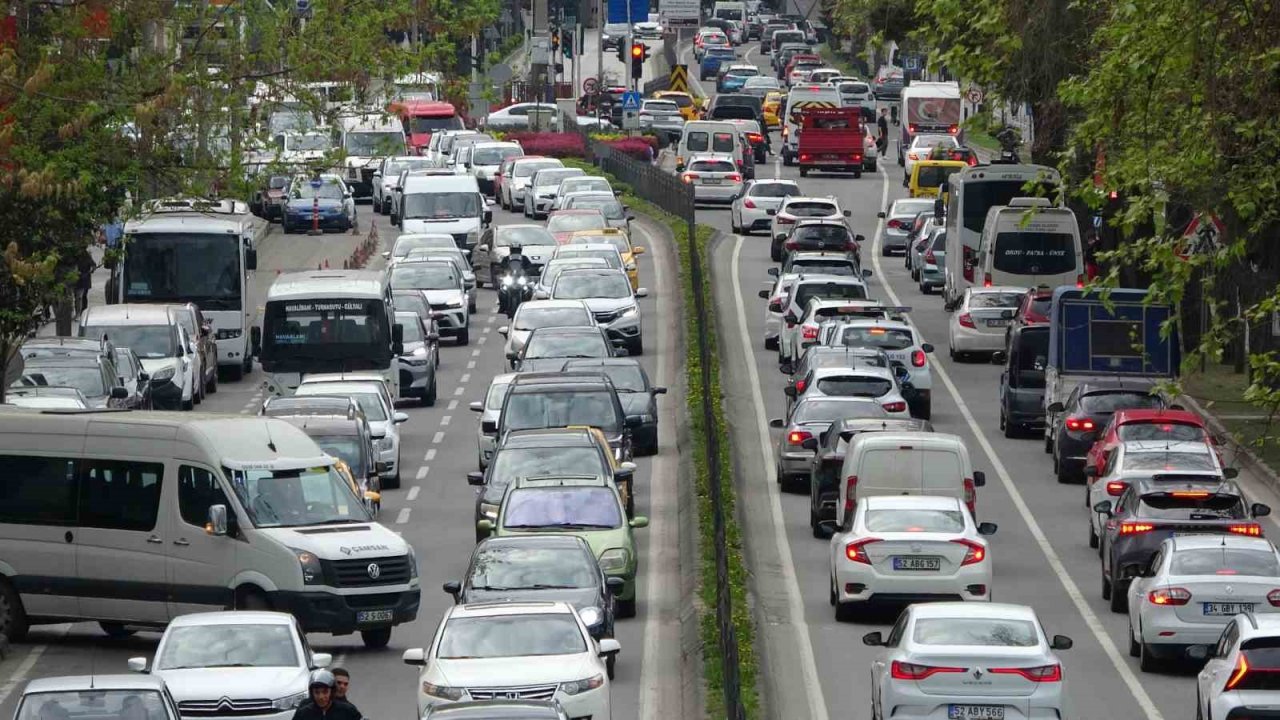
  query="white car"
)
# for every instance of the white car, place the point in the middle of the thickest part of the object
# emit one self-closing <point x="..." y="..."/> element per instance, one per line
<point x="824" y="76"/>
<point x="515" y="651"/>
<point x="808" y="287"/>
<point x="978" y="325"/>
<point x="1193" y="587"/>
<point x="776" y="296"/>
<point x="970" y="661"/>
<point x="750" y="211"/>
<point x="918" y="547"/>
<point x="580" y="184"/>
<point x="520" y="115"/>
<point x="388" y="174"/>
<point x="516" y="185"/>
<point x="543" y="189"/>
<point x="443" y="286"/>
<point x="823" y="318"/>
<point x="553" y="268"/>
<point x="714" y="178"/>
<point x="1240" y="670"/>
<point x="876" y="383"/>
<point x="534" y="314"/>
<point x="487" y="157"/>
<point x="221" y="664"/>
<point x="406" y="243"/>
<point x="921" y="146"/>
<point x="614" y="305"/>
<point x="490" y="408"/>
<point x="379" y="408"/>
<point x="902" y="343"/>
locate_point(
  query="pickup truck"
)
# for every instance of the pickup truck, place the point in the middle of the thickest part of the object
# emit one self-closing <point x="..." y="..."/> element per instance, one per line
<point x="830" y="139"/>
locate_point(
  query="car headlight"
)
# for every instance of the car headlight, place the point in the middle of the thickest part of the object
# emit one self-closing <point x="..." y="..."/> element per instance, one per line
<point x="413" y="563"/>
<point x="454" y="304"/>
<point x="489" y="510"/>
<point x="163" y="374"/>
<point x="289" y="703"/>
<point x="631" y="312"/>
<point x="444" y="692"/>
<point x="312" y="573"/>
<point x="615" y="560"/>
<point x="591" y="616"/>
<point x="581" y="686"/>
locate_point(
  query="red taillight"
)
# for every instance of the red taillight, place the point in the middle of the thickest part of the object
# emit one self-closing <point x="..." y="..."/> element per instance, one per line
<point x="786" y="220"/>
<point x="855" y="157"/>
<point x="1079" y="281"/>
<point x="689" y="177"/>
<point x="1242" y="669"/>
<point x="1169" y="596"/>
<point x="850" y="487"/>
<point x="796" y="437"/>
<point x="854" y="550"/>
<point x="966" y="320"/>
<point x="1250" y="529"/>
<point x="976" y="553"/>
<point x="986" y="280"/>
<point x="1135" y="528"/>
<point x="971" y="496"/>
<point x="917" y="358"/>
<point x="953" y="129"/>
<point x="1116" y="487"/>
<point x="733" y="177"/>
<point x="896" y="223"/>
<point x="898" y="406"/>
<point x="790" y="245"/>
<point x="930" y="258"/>
<point x="912" y="128"/>
<point x="748" y="203"/>
<point x="800" y="386"/>
<point x="1040" y="673"/>
<point x="805" y="157"/>
<point x="755" y="137"/>
<point x="1273" y="597"/>
<point x="910" y="671"/>
<point x="1080" y="424"/>
<point x="973" y="161"/>
<point x="809" y="332"/>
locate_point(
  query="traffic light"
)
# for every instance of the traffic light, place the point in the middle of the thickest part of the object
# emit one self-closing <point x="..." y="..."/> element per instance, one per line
<point x="555" y="41"/>
<point x="567" y="42"/>
<point x="638" y="53"/>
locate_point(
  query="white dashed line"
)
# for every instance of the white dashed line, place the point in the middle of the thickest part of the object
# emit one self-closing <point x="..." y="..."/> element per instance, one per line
<point x="446" y="419"/>
<point x="471" y="364"/>
<point x="403" y="517"/>
<point x="483" y="337"/>
<point x="466" y="378"/>
<point x="475" y="353"/>
<point x="413" y="491"/>
<point x="459" y="390"/>
<point x="435" y="440"/>
<point x="422" y="473"/>
<point x="431" y="455"/>
<point x="453" y="404"/>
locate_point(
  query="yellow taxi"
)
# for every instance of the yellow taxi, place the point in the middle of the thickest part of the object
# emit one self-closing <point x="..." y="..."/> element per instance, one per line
<point x="619" y="239"/>
<point x="623" y="472"/>
<point x="689" y="107"/>
<point x="927" y="176"/>
<point x="773" y="109"/>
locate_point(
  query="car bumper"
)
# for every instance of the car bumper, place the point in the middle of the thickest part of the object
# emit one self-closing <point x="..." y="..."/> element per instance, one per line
<point x="893" y="240"/>
<point x="592" y="704"/>
<point x="451" y="321"/>
<point x="166" y="396"/>
<point x="755" y="219"/>
<point x="1161" y="626"/>
<point x="932" y="276"/>
<point x="772" y="325"/>
<point x="970" y="340"/>
<point x="414" y="378"/>
<point x="623" y="330"/>
<point x="793" y="462"/>
<point x="716" y="194"/>
<point x="856" y="582"/>
<point x="335" y="613"/>
<point x="908" y="703"/>
<point x="327" y="222"/>
<point x="1072" y="450"/>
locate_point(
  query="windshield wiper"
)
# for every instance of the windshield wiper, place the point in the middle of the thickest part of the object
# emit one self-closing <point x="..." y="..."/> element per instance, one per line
<point x="338" y="521"/>
<point x="222" y="665"/>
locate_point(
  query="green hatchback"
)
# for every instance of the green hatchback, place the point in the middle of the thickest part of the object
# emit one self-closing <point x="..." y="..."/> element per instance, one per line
<point x="588" y="507"/>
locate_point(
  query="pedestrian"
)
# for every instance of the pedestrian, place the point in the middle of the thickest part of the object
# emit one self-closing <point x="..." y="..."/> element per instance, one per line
<point x="341" y="685"/>
<point x="84" y="280"/>
<point x="883" y="124"/>
<point x="320" y="703"/>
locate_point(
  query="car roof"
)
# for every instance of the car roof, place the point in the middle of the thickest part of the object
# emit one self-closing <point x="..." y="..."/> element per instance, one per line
<point x="922" y="502"/>
<point x="993" y="611"/>
<point x="499" y="609"/>
<point x="233" y="617"/>
<point x="548" y="437"/>
<point x="552" y="304"/>
<point x="66" y="683"/>
<point x="995" y="289"/>
<point x="129" y="314"/>
<point x="609" y="362"/>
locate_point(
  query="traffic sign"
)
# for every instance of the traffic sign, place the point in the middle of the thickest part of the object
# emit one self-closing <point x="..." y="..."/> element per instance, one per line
<point x="589" y="86"/>
<point x="974" y="95"/>
<point x="631" y="100"/>
<point x="680" y="78"/>
<point x="913" y="62"/>
<point x="1203" y="235"/>
<point x="315" y="183"/>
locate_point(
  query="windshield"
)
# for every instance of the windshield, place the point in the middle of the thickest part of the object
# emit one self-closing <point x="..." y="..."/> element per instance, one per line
<point x="208" y="275"/>
<point x="345" y="448"/>
<point x="500" y="567"/>
<point x="330" y="327"/>
<point x="934" y="175"/>
<point x="1225" y="561"/>
<point x="529" y="168"/>
<point x="330" y="189"/>
<point x="1034" y="253"/>
<point x="810" y="209"/>
<point x="823" y="234"/>
<point x="132" y="704"/>
<point x="392" y="170"/>
<point x="510" y="463"/>
<point x="369" y="401"/>
<point x="1160" y="430"/>
<point x="711" y="166"/>
<point x="441" y="205"/>
<point x="582" y="285"/>
<point x="914" y="520"/>
<point x="410" y="327"/>
<point x="854" y="386"/>
<point x="975" y="631"/>
<point x="471" y="638"/>
<point x="424" y="276"/>
<point x="146" y="341"/>
<point x="86" y="378"/>
<point x="419" y="125"/>
<point x="815" y="411"/>
<point x="1109" y="402"/>
<point x="566" y="345"/>
<point x="309" y="143"/>
<point x="293" y="498"/>
<point x="407" y="244"/>
<point x="877" y="337"/>
<point x="584" y="184"/>
<point x="494" y="155"/>
<point x="625" y="378"/>
<point x="209" y="646"/>
<point x="979" y="197"/>
<point x="587" y="507"/>
<point x="608" y="205"/>
<point x="533" y="410"/>
<point x="532" y="318"/>
<point x="572" y="222"/>
<point x="374" y="144"/>
<point x="552" y="178"/>
<point x="659" y="106"/>
<point x="825" y="267"/>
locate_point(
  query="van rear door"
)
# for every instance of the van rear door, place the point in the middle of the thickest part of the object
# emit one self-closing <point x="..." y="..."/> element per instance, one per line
<point x="889" y="470"/>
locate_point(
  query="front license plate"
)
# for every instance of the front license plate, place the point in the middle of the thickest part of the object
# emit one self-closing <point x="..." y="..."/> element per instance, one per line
<point x="917" y="563"/>
<point x="1227" y="608"/>
<point x="997" y="323"/>
<point x="975" y="712"/>
<point x="374" y="616"/>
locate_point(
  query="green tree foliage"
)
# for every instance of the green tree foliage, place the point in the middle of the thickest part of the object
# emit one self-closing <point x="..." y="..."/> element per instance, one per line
<point x="862" y="20"/>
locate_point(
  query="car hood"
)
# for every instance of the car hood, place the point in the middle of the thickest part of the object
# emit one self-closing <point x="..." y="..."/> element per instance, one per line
<point x="154" y="365"/>
<point x="599" y="540"/>
<point x="234" y="682"/>
<point x="543" y="364"/>
<point x="634" y="403"/>
<point x="499" y="672"/>
<point x="577" y="597"/>
<point x="342" y="542"/>
<point x="608" y="304"/>
<point x="442" y="225"/>
<point x="439" y="297"/>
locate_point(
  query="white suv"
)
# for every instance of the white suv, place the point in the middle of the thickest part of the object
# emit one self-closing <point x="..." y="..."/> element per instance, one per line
<point x="900" y="341"/>
<point x="1240" y="669"/>
<point x="796" y="304"/>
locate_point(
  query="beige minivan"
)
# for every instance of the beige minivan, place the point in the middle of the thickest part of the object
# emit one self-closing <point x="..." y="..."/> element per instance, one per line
<point x="906" y="463"/>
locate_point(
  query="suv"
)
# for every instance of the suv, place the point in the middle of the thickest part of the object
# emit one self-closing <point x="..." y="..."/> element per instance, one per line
<point x="827" y="314"/>
<point x="901" y="343"/>
<point x="560" y="399"/>
<point x="159" y="339"/>
<point x="829" y="449"/>
<point x="796" y="303"/>
<point x="823" y="236"/>
<point x="1238" y="679"/>
<point x="204" y="351"/>
<point x="443" y="286"/>
<point x="792" y="210"/>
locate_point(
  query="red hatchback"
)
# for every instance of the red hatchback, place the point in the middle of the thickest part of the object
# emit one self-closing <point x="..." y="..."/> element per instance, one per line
<point x="1157" y="425"/>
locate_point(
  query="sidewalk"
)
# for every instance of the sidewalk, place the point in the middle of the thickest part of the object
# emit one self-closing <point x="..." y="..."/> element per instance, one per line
<point x="97" y="293"/>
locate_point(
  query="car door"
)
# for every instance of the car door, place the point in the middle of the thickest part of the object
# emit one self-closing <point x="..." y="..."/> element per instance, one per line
<point x="198" y="564"/>
<point x="205" y="343"/>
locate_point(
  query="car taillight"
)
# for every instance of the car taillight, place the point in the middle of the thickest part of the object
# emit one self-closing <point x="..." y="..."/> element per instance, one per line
<point x="1239" y="673"/>
<point x="800" y="386"/>
<point x="809" y="332"/>
<point x="1080" y="424"/>
<point x="917" y="358"/>
<point x="783" y="220"/>
<point x="755" y="137"/>
<point x="986" y="280"/>
<point x="930" y="258"/>
<point x="896" y="224"/>
<point x="854" y="550"/>
<point x="688" y="177"/>
<point x="966" y="320"/>
<point x="1040" y="673"/>
<point x="911" y="671"/>
<point x="895" y="407"/>
<point x="796" y="437"/>
<point x="733" y="177"/>
<point x="790" y="245"/>
<point x="971" y="496"/>
<point x="1250" y="529"/>
<point x="953" y="129"/>
<point x="1273" y="597"/>
<point x="912" y="127"/>
<point x="912" y="156"/>
<point x="850" y="487"/>
<point x="855" y="157"/>
<point x="975" y="553"/>
<point x="1116" y="487"/>
<point x="1169" y="596"/>
<point x="749" y="203"/>
<point x="1080" y="281"/>
<point x="1135" y="528"/>
<point x="805" y="157"/>
<point x="973" y="161"/>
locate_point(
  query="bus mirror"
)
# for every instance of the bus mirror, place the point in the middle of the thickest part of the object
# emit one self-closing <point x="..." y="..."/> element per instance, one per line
<point x="217" y="520"/>
<point x="255" y="340"/>
<point x="250" y="259"/>
<point x="397" y="336"/>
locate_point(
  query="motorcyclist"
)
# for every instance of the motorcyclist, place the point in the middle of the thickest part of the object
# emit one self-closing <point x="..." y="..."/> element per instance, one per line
<point x="320" y="705"/>
<point x="515" y="281"/>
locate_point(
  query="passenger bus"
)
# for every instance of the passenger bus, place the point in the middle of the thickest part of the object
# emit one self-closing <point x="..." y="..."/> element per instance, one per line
<point x="190" y="250"/>
<point x="328" y="322"/>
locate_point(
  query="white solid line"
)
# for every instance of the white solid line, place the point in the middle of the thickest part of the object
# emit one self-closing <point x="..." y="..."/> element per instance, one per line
<point x="413" y="491"/>
<point x="435" y="440"/>
<point x="466" y="378"/>
<point x="431" y="455"/>
<point x="420" y="475"/>
<point x="446" y="419"/>
<point x="20" y="674"/>
<point x="1055" y="562"/>
<point x="795" y="603"/>
<point x="403" y="516"/>
<point x="453" y="404"/>
<point x="471" y="364"/>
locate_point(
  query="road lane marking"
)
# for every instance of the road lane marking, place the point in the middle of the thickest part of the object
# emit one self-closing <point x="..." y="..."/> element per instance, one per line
<point x="795" y="601"/>
<point x="420" y="475"/>
<point x="466" y="378"/>
<point x="459" y="390"/>
<point x="453" y="404"/>
<point x="471" y="364"/>
<point x="475" y="352"/>
<point x="437" y="438"/>
<point x="482" y="339"/>
<point x="413" y="491"/>
<point x="20" y="675"/>
<point x="431" y="455"/>
<point x="1055" y="562"/>
<point x="403" y="516"/>
<point x="446" y="419"/>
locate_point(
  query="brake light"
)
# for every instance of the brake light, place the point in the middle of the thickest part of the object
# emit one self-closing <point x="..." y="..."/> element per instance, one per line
<point x="976" y="553"/>
<point x="800" y="386"/>
<point x="930" y="258"/>
<point x="1197" y="494"/>
<point x="782" y="220"/>
<point x="911" y="671"/>
<point x="971" y="496"/>
<point x="895" y="407"/>
<point x="1242" y="669"/>
<point x="809" y="332"/>
<point x="790" y="244"/>
<point x="1273" y="597"/>
<point x="1040" y="673"/>
<point x="689" y="177"/>
<point x="748" y="203"/>
<point x="966" y="320"/>
<point x="755" y="137"/>
<point x="912" y="127"/>
<point x="1080" y="424"/>
<point x="896" y="224"/>
<point x="1116" y="487"/>
<point x="973" y="161"/>
<point x="805" y="157"/>
<point x="912" y="156"/>
<point x="1080" y="281"/>
<point x="850" y="487"/>
<point x="917" y="358"/>
<point x="953" y="129"/>
<point x="1169" y="596"/>
<point x="796" y="437"/>
<point x="855" y="553"/>
<point x="1249" y="529"/>
<point x="1135" y="528"/>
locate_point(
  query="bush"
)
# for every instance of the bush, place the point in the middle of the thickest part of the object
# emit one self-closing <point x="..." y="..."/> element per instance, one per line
<point x="557" y="145"/>
<point x="636" y="147"/>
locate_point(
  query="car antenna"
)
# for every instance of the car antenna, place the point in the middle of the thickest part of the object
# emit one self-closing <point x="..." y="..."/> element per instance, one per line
<point x="271" y="443"/>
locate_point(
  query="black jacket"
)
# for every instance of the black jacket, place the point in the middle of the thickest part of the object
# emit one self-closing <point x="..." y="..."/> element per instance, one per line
<point x="338" y="710"/>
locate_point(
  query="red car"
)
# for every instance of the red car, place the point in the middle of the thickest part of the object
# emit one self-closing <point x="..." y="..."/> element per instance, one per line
<point x="1126" y="425"/>
<point x="1033" y="310"/>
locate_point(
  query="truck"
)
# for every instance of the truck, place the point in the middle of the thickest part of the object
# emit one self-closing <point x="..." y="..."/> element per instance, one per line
<point x="367" y="139"/>
<point x="1118" y="336"/>
<point x="929" y="108"/>
<point x="422" y="118"/>
<point x="830" y="139"/>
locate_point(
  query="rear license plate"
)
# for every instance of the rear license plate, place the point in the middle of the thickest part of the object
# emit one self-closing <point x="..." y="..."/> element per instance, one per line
<point x="1227" y="608"/>
<point x="710" y="181"/>
<point x="916" y="563"/>
<point x="1191" y="533"/>
<point x="831" y="156"/>
<point x="374" y="616"/>
<point x="1001" y="322"/>
<point x="975" y="712"/>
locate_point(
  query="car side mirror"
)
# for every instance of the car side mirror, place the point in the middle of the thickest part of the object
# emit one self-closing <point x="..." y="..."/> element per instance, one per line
<point x="658" y="390"/>
<point x="489" y="427"/>
<point x="144" y="376"/>
<point x="119" y="393"/>
<point x="1199" y="653"/>
<point x="771" y="212"/>
<point x="476" y="406"/>
<point x="321" y="660"/>
<point x="433" y="337"/>
<point x="475" y="477"/>
<point x="1230" y="473"/>
<point x="454" y="588"/>
<point x="642" y="292"/>
<point x="1091" y="471"/>
<point x="217" y="525"/>
<point x="614" y="585"/>
<point x="504" y="330"/>
<point x="251" y="259"/>
<point x="400" y="418"/>
<point x="1061" y="642"/>
<point x="414" y="656"/>
<point x="999" y="357"/>
<point x="979" y="478"/>
<point x="763" y="294"/>
<point x="485" y="526"/>
<point x="927" y="347"/>
<point x="386" y="254"/>
<point x="882" y="215"/>
<point x="138" y="664"/>
<point x="846" y="213"/>
<point x="639" y="521"/>
<point x="609" y="647"/>
<point x="1056" y="407"/>
<point x="1103" y="508"/>
<point x="810" y="444"/>
<point x="873" y="639"/>
<point x="1261" y="510"/>
<point x="789" y="391"/>
<point x="987" y="528"/>
<point x="772" y="272"/>
<point x="482" y="248"/>
<point x="778" y="423"/>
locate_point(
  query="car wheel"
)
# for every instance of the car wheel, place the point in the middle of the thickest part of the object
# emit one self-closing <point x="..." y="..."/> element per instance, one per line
<point x="377" y="638"/>
<point x="1048" y="444"/>
<point x="1147" y="661"/>
<point x="471" y="305"/>
<point x="1134" y="648"/>
<point x="188" y="404"/>
<point x="1119" y="597"/>
<point x="1065" y="476"/>
<point x="1106" y="586"/>
<point x="608" y="665"/>
<point x="13" y="618"/>
<point x="636" y="347"/>
<point x="923" y="410"/>
<point x="429" y="396"/>
<point x="626" y="608"/>
<point x="1093" y="536"/>
<point x="925" y="289"/>
<point x="771" y="343"/>
<point x="464" y="336"/>
<point x="212" y="386"/>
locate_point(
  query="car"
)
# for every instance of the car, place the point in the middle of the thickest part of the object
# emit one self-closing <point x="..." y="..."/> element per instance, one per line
<point x="820" y="313"/>
<point x="80" y="369"/>
<point x="760" y="85"/>
<point x="516" y="186"/>
<point x="1022" y="381"/>
<point x="613" y="304"/>
<point x="1159" y="425"/>
<point x="648" y="30"/>
<point x="936" y="656"/>
<point x="539" y="569"/>
<point x="46" y="397"/>
<point x="906" y="549"/>
<point x="547" y="348"/>
<point x="808" y="419"/>
<point x="461" y="262"/>
<point x="794" y="208"/>
<point x="638" y="396"/>
<point x="563" y="223"/>
<point x="776" y="296"/>
<point x="421" y="357"/>
<point x="683" y="100"/>
<point x="329" y="206"/>
<point x="543" y="187"/>
<point x="442" y="284"/>
<point x="134" y="378"/>
<point x="525" y="116"/>
<point x="558" y="399"/>
<point x="819" y="263"/>
<point x="600" y="250"/>
<point x="129" y="697"/>
<point x="866" y="381"/>
<point x="714" y="178"/>
<point x="888" y="83"/>
<point x="1236" y="681"/>
<point x="977" y="325"/>
<point x="771" y="107"/>
<point x="407" y="243"/>
<point x="536" y="246"/>
<point x="922" y="147"/>
<point x="387" y="176"/>
<point x="489" y="408"/>
<point x="757" y="141"/>
<point x="1087" y="409"/>
<point x="898" y="219"/>
<point x="406" y="177"/>
<point x="534" y="314"/>
<point x="829" y="449"/>
<point x="620" y="240"/>
<point x="613" y="35"/>
<point x="481" y="652"/>
<point x="1157" y="460"/>
<point x="583" y="184"/>
<point x="1033" y="310"/>
<point x="854" y="92"/>
<point x="920" y="239"/>
<point x="661" y="117"/>
<point x="902" y="343"/>
<point x="505" y="709"/>
<point x="268" y="199"/>
<point x="486" y="158"/>
<point x="932" y="259"/>
<point x="1191" y="590"/>
<point x="555" y="266"/>
<point x="234" y="658"/>
<point x="155" y="335"/>
<point x="589" y="507"/>
<point x="1150" y="510"/>
<point x="805" y="288"/>
<point x="823" y="235"/>
<point x="379" y="407"/>
<point x="732" y="78"/>
<point x="615" y="213"/>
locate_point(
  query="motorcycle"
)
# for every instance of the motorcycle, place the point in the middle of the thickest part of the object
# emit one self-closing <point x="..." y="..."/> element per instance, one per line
<point x="516" y="286"/>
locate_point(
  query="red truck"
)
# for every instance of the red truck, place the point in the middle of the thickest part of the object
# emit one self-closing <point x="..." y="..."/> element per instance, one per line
<point x="830" y="139"/>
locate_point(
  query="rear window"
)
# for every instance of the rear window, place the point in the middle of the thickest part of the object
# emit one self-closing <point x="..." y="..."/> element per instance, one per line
<point x="843" y="291"/>
<point x="783" y="36"/>
<point x="810" y="209"/>
<point x="940" y="245"/>
<point x="714" y="166"/>
<point x="995" y="300"/>
<point x="854" y="88"/>
<point x="975" y="631"/>
<point x="822" y="233"/>
<point x="722" y="142"/>
<point x="1172" y="506"/>
<point x="1034" y="253"/>
<point x="814" y="411"/>
<point x="854" y="386"/>
<point x="1224" y="561"/>
<point x="1156" y="430"/>
<point x="824" y="267"/>
<point x="1112" y="401"/>
<point x="1183" y="461"/>
<point x="733" y="112"/>
<point x="773" y="190"/>
<point x="696" y="141"/>
<point x="914" y="520"/>
<point x="877" y="337"/>
<point x="1033" y="354"/>
<point x="932" y="176"/>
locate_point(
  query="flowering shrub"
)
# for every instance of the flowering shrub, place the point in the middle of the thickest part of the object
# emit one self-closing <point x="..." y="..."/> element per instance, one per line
<point x="636" y="147"/>
<point x="557" y="145"/>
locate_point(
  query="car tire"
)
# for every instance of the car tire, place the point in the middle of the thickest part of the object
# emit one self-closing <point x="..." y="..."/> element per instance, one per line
<point x="1134" y="647"/>
<point x="771" y="343"/>
<point x="1119" y="598"/>
<point x="13" y="617"/>
<point x="235" y="372"/>
<point x="925" y="289"/>
<point x="471" y="304"/>
<point x="1065" y="476"/>
<point x="429" y="395"/>
<point x="636" y="347"/>
<point x="608" y="665"/>
<point x="775" y="250"/>
<point x="923" y="410"/>
<point x="626" y="608"/>
<point x="212" y="386"/>
<point x="377" y="638"/>
<point x="846" y="612"/>
<point x="1048" y="444"/>
<point x="464" y="336"/>
<point x="1093" y="537"/>
<point x="1106" y="586"/>
<point x="188" y="404"/>
<point x="115" y="630"/>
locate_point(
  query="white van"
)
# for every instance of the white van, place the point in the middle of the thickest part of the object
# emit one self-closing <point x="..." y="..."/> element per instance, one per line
<point x="906" y="463"/>
<point x="1029" y="243"/>
<point x="803" y="96"/>
<point x="730" y="11"/>
<point x="132" y="519"/>
<point x="449" y="204"/>
<point x="366" y="140"/>
<point x="706" y="137"/>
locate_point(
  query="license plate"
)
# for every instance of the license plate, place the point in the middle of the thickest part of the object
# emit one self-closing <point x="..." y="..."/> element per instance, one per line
<point x="1227" y="608"/>
<point x="1191" y="533"/>
<point x="1001" y="322"/>
<point x="917" y="563"/>
<point x="975" y="712"/>
<point x="710" y="181"/>
<point x="831" y="156"/>
<point x="373" y="616"/>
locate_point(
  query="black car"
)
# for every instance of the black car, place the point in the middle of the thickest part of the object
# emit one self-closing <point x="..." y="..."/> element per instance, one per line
<point x="547" y="349"/>
<point x="498" y="710"/>
<point x="94" y="376"/>
<point x="638" y="396"/>
<point x="737" y="106"/>
<point x="133" y="378"/>
<point x="824" y="236"/>
<point x="560" y="399"/>
<point x="1084" y="414"/>
<point x="1022" y="382"/>
<point x="829" y="449"/>
<point x="1151" y="510"/>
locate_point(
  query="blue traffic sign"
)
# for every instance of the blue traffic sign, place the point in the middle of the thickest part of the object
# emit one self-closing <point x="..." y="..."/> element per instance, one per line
<point x="315" y="183"/>
<point x="631" y="100"/>
<point x="628" y="12"/>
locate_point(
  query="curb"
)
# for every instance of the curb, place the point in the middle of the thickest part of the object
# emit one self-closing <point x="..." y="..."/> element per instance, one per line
<point x="1243" y="454"/>
<point x="4" y="646"/>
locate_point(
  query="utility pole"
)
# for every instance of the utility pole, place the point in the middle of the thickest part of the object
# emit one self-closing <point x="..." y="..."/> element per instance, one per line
<point x="601" y="18"/>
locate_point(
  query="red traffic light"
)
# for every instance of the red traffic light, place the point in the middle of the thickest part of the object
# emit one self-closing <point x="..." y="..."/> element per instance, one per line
<point x="637" y="51"/>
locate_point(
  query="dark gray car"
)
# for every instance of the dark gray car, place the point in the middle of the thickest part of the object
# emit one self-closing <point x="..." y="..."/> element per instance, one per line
<point x="1022" y="382"/>
<point x="420" y="358"/>
<point x="638" y="396"/>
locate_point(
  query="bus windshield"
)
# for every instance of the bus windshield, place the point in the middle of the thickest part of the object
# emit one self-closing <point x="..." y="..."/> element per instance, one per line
<point x="209" y="273"/>
<point x="353" y="331"/>
<point x="420" y="124"/>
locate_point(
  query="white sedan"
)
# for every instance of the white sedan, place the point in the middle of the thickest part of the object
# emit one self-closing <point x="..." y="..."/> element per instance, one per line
<point x="909" y="547"/>
<point x="875" y="383"/>
<point x="968" y="661"/>
<point x="921" y="146"/>
<point x="978" y="325"/>
<point x="750" y="212"/>
<point x="1193" y="587"/>
<point x="515" y="651"/>
<point x="525" y="116"/>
